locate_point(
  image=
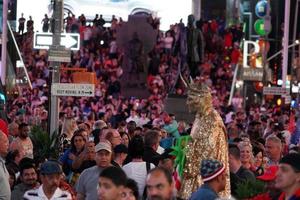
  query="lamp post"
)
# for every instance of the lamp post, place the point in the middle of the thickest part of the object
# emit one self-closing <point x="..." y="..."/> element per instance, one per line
<point x="285" y="42"/>
<point x="4" y="43"/>
<point x="279" y="52"/>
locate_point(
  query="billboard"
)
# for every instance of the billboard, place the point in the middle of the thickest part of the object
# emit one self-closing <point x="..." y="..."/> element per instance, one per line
<point x="170" y="11"/>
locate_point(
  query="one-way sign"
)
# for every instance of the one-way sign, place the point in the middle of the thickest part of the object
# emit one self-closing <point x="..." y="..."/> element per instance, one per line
<point x="71" y="89"/>
<point x="44" y="40"/>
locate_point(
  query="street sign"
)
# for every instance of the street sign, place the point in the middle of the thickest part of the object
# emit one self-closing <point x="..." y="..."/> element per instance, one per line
<point x="252" y="74"/>
<point x="71" y="89"/>
<point x="44" y="40"/>
<point x="276" y="91"/>
<point x="59" y="54"/>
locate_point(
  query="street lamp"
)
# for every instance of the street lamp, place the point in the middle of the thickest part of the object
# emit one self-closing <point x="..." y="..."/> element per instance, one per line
<point x="279" y="52"/>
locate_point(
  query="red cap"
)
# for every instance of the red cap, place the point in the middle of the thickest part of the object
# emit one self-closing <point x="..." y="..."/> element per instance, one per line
<point x="3" y="127"/>
<point x="270" y="174"/>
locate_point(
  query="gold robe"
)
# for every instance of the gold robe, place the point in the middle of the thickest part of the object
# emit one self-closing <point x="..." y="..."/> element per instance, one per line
<point x="209" y="140"/>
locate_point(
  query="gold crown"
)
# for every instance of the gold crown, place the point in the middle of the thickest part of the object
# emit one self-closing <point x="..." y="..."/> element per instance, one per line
<point x="196" y="88"/>
<point x="199" y="89"/>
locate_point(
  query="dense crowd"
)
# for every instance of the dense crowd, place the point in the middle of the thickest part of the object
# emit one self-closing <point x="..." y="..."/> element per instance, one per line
<point x="112" y="147"/>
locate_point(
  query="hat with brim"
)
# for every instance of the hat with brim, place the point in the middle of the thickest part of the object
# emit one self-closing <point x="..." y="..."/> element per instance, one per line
<point x="50" y="167"/>
<point x="103" y="146"/>
<point x="270" y="174"/>
<point x="210" y="169"/>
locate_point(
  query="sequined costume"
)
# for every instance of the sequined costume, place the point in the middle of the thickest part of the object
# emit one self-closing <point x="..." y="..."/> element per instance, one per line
<point x="208" y="140"/>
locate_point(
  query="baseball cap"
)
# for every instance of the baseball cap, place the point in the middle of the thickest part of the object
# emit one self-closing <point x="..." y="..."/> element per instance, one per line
<point x="103" y="146"/>
<point x="269" y="174"/>
<point x="50" y="167"/>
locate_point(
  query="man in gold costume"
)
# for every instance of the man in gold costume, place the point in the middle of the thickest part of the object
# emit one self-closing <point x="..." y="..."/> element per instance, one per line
<point x="209" y="140"/>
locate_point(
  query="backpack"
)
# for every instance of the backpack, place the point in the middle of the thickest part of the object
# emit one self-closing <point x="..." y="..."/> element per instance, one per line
<point x="148" y="166"/>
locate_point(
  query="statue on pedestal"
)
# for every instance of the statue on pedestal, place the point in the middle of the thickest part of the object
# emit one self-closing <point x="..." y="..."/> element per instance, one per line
<point x="191" y="45"/>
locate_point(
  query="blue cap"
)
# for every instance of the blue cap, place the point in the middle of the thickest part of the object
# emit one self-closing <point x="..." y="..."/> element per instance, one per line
<point x="50" y="167"/>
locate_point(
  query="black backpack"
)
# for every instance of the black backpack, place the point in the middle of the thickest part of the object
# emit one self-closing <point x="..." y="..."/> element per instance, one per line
<point x="148" y="165"/>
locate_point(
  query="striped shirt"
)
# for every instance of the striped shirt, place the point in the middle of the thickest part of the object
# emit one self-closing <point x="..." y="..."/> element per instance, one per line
<point x="38" y="194"/>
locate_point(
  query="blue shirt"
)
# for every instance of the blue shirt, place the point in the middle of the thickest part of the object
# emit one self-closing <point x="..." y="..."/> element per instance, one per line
<point x="204" y="193"/>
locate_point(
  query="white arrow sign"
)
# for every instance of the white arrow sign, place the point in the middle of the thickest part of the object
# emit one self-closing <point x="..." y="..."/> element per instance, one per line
<point x="68" y="41"/>
<point x="44" y="40"/>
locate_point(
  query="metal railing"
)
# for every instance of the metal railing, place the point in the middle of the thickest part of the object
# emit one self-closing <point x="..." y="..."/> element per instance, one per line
<point x="22" y="67"/>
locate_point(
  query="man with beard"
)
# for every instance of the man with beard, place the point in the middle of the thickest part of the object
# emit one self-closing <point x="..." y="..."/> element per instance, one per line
<point x="160" y="185"/>
<point x="23" y="141"/>
<point x="50" y="174"/>
<point x="28" y="177"/>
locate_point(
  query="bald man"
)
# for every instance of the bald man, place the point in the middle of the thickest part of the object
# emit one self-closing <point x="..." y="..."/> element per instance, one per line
<point x="5" y="192"/>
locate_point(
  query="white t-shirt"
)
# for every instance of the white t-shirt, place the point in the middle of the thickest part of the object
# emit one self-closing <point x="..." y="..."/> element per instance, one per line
<point x="138" y="172"/>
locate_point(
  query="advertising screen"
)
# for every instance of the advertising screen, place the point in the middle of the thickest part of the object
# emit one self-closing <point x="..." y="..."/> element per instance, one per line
<point x="169" y="11"/>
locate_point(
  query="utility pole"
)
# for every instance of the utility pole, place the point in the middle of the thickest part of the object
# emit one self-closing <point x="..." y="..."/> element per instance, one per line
<point x="196" y="9"/>
<point x="295" y="28"/>
<point x="285" y="43"/>
<point x="4" y="43"/>
<point x="54" y="65"/>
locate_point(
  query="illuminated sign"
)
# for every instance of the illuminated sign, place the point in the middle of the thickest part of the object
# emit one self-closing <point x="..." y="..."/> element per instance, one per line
<point x="246" y="54"/>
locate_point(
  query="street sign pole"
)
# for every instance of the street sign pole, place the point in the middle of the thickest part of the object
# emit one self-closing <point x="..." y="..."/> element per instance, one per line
<point x="55" y="77"/>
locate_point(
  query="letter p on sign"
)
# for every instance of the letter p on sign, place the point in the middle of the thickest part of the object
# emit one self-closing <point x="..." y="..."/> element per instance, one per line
<point x="246" y="51"/>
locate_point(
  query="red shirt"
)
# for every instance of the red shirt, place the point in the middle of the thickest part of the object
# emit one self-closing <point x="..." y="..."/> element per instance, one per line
<point x="296" y="196"/>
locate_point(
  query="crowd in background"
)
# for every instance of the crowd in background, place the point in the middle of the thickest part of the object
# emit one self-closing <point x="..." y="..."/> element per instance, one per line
<point x="135" y="134"/>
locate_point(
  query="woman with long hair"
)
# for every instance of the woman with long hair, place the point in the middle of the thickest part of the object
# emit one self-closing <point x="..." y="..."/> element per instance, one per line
<point x="68" y="128"/>
<point x="77" y="146"/>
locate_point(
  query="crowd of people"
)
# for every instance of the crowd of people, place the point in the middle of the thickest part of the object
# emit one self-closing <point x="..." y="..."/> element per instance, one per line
<point x="112" y="147"/>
